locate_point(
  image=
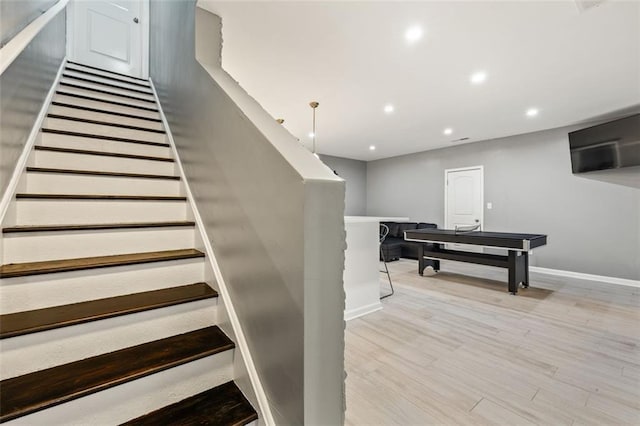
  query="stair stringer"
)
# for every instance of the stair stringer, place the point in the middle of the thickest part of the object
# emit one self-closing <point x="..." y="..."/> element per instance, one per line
<point x="228" y="321"/>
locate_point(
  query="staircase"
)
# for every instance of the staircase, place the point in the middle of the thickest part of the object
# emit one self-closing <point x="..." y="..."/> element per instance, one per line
<point x="106" y="313"/>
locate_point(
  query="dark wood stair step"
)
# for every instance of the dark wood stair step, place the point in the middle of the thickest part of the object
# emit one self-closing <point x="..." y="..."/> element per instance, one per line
<point x="105" y="123"/>
<point x="36" y="391"/>
<point x="105" y="71"/>
<point x="106" y="197"/>
<point x="106" y="101"/>
<point x="103" y="83"/>
<point x="94" y="227"/>
<point x="139" y="83"/>
<point x="65" y="265"/>
<point x="223" y="405"/>
<point x="106" y="92"/>
<point x="21" y="323"/>
<point x="104" y="137"/>
<point x="102" y="153"/>
<point x="99" y="173"/>
<point x="104" y="111"/>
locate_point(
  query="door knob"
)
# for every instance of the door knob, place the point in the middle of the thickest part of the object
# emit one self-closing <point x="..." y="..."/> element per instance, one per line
<point x="135" y="20"/>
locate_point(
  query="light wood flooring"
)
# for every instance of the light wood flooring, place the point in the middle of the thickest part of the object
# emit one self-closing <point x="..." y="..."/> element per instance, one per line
<point x="457" y="348"/>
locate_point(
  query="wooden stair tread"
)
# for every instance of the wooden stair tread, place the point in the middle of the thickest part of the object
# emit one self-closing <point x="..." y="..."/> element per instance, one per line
<point x="105" y="71"/>
<point x="106" y="92"/>
<point x="103" y="83"/>
<point x="93" y="227"/>
<point x="20" y="323"/>
<point x="104" y="111"/>
<point x="105" y="137"/>
<point x="101" y="153"/>
<point x="106" y="101"/>
<point x="23" y="196"/>
<point x="107" y="77"/>
<point x="65" y="265"/>
<point x="223" y="405"/>
<point x="106" y="123"/>
<point x="42" y="389"/>
<point x="100" y="173"/>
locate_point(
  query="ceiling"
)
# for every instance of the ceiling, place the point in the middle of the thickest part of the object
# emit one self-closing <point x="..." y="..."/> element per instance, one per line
<point x="353" y="58"/>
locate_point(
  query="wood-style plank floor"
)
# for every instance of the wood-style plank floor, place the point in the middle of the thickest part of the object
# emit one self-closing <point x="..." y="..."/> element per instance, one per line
<point x="456" y="348"/>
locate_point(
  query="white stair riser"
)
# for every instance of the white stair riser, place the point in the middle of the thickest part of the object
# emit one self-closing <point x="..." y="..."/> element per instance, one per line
<point x="72" y="67"/>
<point x="96" y="86"/>
<point x="102" y="105"/>
<point x="62" y="288"/>
<point x="31" y="247"/>
<point x="106" y="96"/>
<point x="94" y="144"/>
<point x="78" y="212"/>
<point x="56" y="183"/>
<point x="133" y="399"/>
<point x="65" y="160"/>
<point x="104" y="130"/>
<point x="109" y="118"/>
<point x="37" y="351"/>
<point x="97" y="79"/>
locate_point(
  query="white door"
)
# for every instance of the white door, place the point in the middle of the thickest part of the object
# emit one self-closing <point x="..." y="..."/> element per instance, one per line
<point x="109" y="35"/>
<point x="464" y="199"/>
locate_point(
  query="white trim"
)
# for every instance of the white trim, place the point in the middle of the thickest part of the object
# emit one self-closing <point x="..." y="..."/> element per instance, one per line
<point x="145" y="36"/>
<point x="361" y="311"/>
<point x="21" y="164"/>
<point x="241" y="340"/>
<point x="583" y="276"/>
<point x="446" y="193"/>
<point x="18" y="43"/>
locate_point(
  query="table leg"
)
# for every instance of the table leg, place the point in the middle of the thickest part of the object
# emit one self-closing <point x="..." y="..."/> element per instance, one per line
<point x="421" y="263"/>
<point x="525" y="283"/>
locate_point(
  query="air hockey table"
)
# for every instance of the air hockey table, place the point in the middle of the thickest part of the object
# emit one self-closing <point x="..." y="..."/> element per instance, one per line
<point x="516" y="245"/>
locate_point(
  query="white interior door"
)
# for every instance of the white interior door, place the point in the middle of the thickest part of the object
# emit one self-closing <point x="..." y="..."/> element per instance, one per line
<point x="464" y="199"/>
<point x="110" y="35"/>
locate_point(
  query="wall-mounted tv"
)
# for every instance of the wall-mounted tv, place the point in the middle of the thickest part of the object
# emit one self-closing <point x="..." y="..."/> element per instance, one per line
<point x="607" y="146"/>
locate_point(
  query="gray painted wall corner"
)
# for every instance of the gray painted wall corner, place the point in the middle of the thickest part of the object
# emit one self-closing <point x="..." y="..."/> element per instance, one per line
<point x="324" y="245"/>
<point x="354" y="172"/>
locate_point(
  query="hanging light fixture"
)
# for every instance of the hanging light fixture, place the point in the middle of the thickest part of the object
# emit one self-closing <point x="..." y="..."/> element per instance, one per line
<point x="280" y="120"/>
<point x="313" y="106"/>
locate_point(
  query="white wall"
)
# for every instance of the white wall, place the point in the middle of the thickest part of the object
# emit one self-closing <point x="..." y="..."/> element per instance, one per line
<point x="593" y="226"/>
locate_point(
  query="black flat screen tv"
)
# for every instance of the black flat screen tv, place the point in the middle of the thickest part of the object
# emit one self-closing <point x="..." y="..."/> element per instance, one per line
<point x="607" y="146"/>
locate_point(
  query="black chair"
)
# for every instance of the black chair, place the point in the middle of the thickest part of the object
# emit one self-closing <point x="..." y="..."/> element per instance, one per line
<point x="384" y="231"/>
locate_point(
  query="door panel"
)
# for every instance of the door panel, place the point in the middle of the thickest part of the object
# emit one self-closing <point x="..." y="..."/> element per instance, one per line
<point x="464" y="202"/>
<point x="108" y="34"/>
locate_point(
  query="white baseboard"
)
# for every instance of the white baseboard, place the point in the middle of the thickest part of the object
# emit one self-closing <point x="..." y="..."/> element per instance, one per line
<point x="241" y="341"/>
<point x="361" y="311"/>
<point x="583" y="276"/>
<point x="28" y="146"/>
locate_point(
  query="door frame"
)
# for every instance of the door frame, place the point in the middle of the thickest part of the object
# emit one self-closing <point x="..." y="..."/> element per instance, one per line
<point x="446" y="193"/>
<point x="144" y="48"/>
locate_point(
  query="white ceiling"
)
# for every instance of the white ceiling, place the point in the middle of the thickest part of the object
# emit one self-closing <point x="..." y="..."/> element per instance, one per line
<point x="353" y="58"/>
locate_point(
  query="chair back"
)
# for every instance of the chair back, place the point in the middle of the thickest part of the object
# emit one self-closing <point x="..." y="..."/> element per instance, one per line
<point x="384" y="231"/>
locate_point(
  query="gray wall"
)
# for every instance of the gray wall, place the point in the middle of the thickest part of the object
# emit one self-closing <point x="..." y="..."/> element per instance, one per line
<point x="593" y="226"/>
<point x="278" y="236"/>
<point x="24" y="87"/>
<point x="17" y="14"/>
<point x="354" y="172"/>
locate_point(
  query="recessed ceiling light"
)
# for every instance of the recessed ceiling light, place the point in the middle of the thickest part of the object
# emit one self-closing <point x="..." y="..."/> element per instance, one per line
<point x="478" y="77"/>
<point x="311" y="134"/>
<point x="388" y="108"/>
<point x="372" y="147"/>
<point x="532" y="112"/>
<point x="413" y="34"/>
<point x="448" y="131"/>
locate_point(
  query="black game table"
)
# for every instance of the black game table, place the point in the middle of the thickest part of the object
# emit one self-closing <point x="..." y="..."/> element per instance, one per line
<point x="517" y="246"/>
